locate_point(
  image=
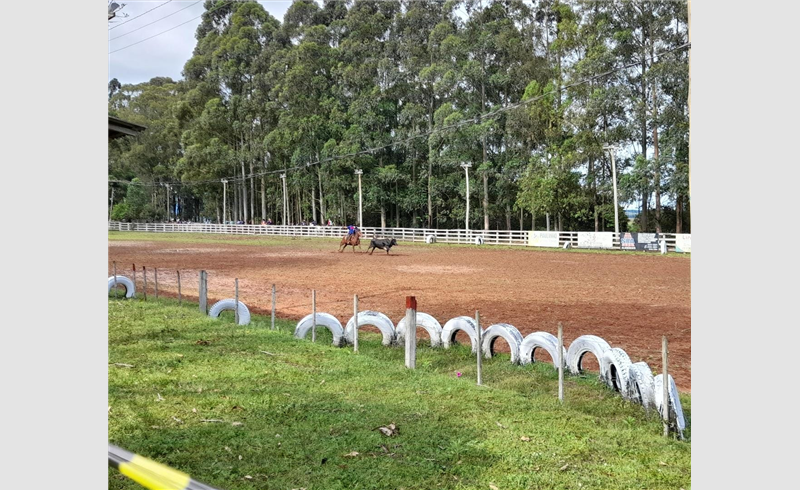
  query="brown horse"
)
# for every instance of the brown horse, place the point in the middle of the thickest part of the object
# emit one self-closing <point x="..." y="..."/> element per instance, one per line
<point x="353" y="240"/>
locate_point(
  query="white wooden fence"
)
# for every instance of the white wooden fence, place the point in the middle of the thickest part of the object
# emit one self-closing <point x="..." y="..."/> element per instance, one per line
<point x="490" y="237"/>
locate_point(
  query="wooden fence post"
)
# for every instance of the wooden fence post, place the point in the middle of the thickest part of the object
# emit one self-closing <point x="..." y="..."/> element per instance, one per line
<point x="411" y="332"/>
<point x="236" y="301"/>
<point x="355" y="319"/>
<point x="203" y="292"/>
<point x="155" y="278"/>
<point x="313" y="315"/>
<point x="134" y="276"/>
<point x="665" y="404"/>
<point x="144" y="274"/>
<point x="273" y="307"/>
<point x="115" y="280"/>
<point x="480" y="360"/>
<point x="560" y="362"/>
<point x="179" y="287"/>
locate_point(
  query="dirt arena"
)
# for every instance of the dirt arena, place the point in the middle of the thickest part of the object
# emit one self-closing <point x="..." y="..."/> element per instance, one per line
<point x="630" y="300"/>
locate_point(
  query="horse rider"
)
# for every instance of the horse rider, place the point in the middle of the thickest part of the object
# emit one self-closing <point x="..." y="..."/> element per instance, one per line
<point x="351" y="231"/>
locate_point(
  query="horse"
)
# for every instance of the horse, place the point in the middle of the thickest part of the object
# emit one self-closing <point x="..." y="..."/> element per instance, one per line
<point x="353" y="240"/>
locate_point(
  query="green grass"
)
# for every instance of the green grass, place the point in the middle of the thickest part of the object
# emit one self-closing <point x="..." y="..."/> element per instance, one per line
<point x="315" y="243"/>
<point x="289" y="416"/>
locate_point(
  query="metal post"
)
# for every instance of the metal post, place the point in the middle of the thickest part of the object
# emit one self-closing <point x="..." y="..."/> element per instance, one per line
<point x="179" y="287"/>
<point x="612" y="150"/>
<point x="466" y="167"/>
<point x="224" y="201"/>
<point x="313" y="315"/>
<point x="115" y="280"/>
<point x="480" y="360"/>
<point x="355" y="317"/>
<point x="273" y="307"/>
<point x="283" y="178"/>
<point x="411" y="332"/>
<point x="144" y="274"/>
<point x="560" y="362"/>
<point x="665" y="404"/>
<point x="236" y="302"/>
<point x="359" y="172"/>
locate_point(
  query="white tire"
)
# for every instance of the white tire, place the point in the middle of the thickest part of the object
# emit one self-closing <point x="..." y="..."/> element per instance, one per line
<point x="323" y="320"/>
<point x="464" y="323"/>
<point x="641" y="388"/>
<point x="478" y="240"/>
<point x="130" y="289"/>
<point x="540" y="340"/>
<point x="430" y="239"/>
<point x="424" y="320"/>
<point x="508" y="332"/>
<point x="374" y="318"/>
<point x="580" y="346"/>
<point x="228" y="304"/>
<point x="676" y="420"/>
<point x="617" y="369"/>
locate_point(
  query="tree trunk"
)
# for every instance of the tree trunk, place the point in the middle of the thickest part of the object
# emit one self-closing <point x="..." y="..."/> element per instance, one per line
<point x="314" y="202"/>
<point x="383" y="215"/>
<point x="678" y="213"/>
<point x="645" y="193"/>
<point x="263" y="197"/>
<point x="396" y="207"/>
<point x="547" y="220"/>
<point x="323" y="216"/>
<point x="508" y="217"/>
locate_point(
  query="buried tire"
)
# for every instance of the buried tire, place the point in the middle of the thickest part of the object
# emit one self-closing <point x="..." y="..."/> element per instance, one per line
<point x="424" y="320"/>
<point x="582" y="345"/>
<point x="540" y="340"/>
<point x="641" y="387"/>
<point x="229" y="304"/>
<point x="677" y="422"/>
<point x="508" y="332"/>
<point x="617" y="369"/>
<point x="323" y="320"/>
<point x="463" y="323"/>
<point x="374" y="318"/>
<point x="130" y="289"/>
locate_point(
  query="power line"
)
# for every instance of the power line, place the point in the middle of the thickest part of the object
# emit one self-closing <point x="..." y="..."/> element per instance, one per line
<point x="473" y="120"/>
<point x="157" y="20"/>
<point x="175" y="27"/>
<point x="157" y="6"/>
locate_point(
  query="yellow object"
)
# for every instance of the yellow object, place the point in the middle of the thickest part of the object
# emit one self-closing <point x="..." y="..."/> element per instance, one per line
<point x="154" y="476"/>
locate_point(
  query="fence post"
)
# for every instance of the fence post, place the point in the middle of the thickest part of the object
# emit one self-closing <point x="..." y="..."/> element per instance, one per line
<point x="665" y="404"/>
<point x="236" y="301"/>
<point x="155" y="272"/>
<point x="203" y="292"/>
<point x="179" y="287"/>
<point x="115" y="280"/>
<point x="560" y="362"/>
<point x="480" y="360"/>
<point x="411" y="332"/>
<point x="273" y="307"/>
<point x="313" y="315"/>
<point x="144" y="274"/>
<point x="134" y="276"/>
<point x="355" y="318"/>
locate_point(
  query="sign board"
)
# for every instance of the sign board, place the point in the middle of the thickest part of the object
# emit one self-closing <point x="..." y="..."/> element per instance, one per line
<point x="543" y="239"/>
<point x="683" y="243"/>
<point x="591" y="239"/>
<point x="648" y="242"/>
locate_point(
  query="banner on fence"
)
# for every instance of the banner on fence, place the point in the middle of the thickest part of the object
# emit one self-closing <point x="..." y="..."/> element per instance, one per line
<point x="543" y="239"/>
<point x="591" y="239"/>
<point x="683" y="243"/>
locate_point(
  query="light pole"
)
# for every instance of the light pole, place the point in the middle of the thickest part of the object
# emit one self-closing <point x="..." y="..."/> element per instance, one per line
<point x="168" y="212"/>
<point x="466" y="167"/>
<point x="360" y="209"/>
<point x="612" y="149"/>
<point x="224" y="201"/>
<point x="283" y="178"/>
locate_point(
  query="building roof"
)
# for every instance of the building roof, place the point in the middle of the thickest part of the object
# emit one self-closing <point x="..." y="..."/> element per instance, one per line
<point x="117" y="128"/>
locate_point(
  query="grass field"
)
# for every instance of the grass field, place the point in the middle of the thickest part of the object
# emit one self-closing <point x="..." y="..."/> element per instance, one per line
<point x="247" y="407"/>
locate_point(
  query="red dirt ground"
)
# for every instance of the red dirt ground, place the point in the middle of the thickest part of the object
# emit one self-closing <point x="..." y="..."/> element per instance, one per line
<point x="630" y="300"/>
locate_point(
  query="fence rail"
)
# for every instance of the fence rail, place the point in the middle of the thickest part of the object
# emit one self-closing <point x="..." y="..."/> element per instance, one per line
<point x="489" y="237"/>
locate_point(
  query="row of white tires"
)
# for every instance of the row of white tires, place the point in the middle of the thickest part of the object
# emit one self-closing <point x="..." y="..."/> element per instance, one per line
<point x="228" y="304"/>
<point x="634" y="381"/>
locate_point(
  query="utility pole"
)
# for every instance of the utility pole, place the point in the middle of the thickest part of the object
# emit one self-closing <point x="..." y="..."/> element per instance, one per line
<point x="168" y="210"/>
<point x="612" y="150"/>
<point x="466" y="167"/>
<point x="283" y="178"/>
<point x="360" y="209"/>
<point x="224" y="201"/>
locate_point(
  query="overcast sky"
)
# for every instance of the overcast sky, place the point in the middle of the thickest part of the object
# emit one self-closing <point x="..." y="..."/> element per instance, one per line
<point x="134" y="59"/>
